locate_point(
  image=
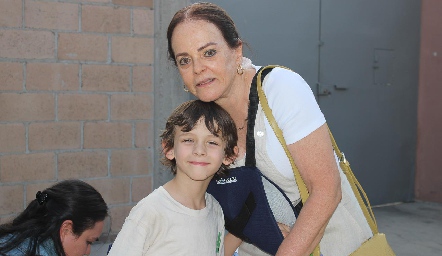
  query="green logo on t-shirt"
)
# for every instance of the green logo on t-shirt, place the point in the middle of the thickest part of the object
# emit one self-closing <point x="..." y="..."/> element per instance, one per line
<point x="218" y="242"/>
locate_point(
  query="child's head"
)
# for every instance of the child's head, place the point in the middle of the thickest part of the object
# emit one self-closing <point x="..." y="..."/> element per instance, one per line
<point x="187" y="115"/>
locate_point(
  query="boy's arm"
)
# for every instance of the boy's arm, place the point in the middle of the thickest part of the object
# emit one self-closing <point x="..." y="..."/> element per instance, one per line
<point x="231" y="243"/>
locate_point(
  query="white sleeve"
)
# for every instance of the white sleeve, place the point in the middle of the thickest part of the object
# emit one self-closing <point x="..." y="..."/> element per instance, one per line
<point x="293" y="104"/>
<point x="134" y="236"/>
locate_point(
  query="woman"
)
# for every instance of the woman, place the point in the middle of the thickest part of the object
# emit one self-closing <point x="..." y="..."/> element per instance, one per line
<point x="212" y="66"/>
<point x="64" y="219"/>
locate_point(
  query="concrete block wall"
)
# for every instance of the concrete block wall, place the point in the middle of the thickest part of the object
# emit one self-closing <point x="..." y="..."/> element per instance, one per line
<point x="76" y="100"/>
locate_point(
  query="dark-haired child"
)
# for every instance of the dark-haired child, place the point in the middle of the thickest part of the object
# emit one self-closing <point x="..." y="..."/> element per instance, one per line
<point x="62" y="220"/>
<point x="180" y="218"/>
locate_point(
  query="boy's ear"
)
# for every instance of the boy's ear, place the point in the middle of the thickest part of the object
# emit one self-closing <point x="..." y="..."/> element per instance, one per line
<point x="169" y="154"/>
<point x="229" y="160"/>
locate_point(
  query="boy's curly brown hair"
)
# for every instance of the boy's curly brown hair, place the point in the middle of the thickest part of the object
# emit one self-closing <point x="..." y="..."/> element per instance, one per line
<point x="187" y="115"/>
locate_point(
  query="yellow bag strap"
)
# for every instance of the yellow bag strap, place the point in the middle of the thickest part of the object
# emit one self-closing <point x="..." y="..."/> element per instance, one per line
<point x="344" y="164"/>
<point x="356" y="187"/>
<point x="268" y="112"/>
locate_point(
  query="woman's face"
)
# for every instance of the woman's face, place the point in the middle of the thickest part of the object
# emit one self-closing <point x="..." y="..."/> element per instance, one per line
<point x="74" y="245"/>
<point x="205" y="61"/>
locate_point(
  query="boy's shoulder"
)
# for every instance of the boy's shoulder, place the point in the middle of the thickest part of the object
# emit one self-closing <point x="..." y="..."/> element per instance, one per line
<point x="150" y="204"/>
<point x="213" y="204"/>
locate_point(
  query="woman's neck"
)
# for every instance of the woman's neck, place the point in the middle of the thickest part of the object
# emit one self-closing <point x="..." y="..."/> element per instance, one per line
<point x="237" y="105"/>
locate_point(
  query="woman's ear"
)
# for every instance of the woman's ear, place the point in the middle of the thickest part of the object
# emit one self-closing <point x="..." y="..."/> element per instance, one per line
<point x="66" y="229"/>
<point x="238" y="51"/>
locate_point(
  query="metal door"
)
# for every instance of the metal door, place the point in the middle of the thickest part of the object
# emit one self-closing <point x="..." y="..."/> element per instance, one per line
<point x="367" y="89"/>
<point x="360" y="57"/>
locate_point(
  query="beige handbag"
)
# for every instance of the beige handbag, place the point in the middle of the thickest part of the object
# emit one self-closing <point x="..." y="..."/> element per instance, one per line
<point x="376" y="245"/>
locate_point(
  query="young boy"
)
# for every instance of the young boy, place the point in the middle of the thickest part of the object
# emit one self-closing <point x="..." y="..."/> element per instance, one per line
<point x="180" y="218"/>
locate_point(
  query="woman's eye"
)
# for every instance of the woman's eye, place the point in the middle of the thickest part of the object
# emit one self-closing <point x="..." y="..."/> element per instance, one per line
<point x="210" y="53"/>
<point x="184" y="61"/>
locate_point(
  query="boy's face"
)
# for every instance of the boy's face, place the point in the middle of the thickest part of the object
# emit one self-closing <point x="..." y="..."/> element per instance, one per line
<point x="198" y="153"/>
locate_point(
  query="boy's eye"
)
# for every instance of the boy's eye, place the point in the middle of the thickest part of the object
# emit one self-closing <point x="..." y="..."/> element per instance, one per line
<point x="184" y="61"/>
<point x="213" y="143"/>
<point x="187" y="140"/>
<point x="210" y="53"/>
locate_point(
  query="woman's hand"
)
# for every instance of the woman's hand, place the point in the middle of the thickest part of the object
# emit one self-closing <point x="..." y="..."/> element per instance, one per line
<point x="231" y="243"/>
<point x="285" y="230"/>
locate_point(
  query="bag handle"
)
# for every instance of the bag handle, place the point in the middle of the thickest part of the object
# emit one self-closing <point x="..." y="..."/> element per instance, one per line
<point x="344" y="164"/>
<point x="356" y="187"/>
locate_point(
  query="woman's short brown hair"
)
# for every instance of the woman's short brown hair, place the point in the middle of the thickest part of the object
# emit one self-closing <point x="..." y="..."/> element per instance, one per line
<point x="210" y="13"/>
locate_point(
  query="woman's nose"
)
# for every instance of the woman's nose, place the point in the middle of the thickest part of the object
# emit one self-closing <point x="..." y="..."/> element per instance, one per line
<point x="198" y="66"/>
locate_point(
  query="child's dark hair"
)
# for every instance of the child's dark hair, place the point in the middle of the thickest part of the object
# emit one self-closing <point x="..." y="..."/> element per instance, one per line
<point x="73" y="200"/>
<point x="187" y="115"/>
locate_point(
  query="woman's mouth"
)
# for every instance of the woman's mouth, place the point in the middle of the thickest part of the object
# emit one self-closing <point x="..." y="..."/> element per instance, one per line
<point x="205" y="82"/>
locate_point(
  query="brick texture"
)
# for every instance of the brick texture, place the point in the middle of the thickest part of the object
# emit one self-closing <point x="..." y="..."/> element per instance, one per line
<point x="106" y="78"/>
<point x="82" y="164"/>
<point x="50" y="15"/>
<point x="105" y="19"/>
<point x="143" y="22"/>
<point x="54" y="136"/>
<point x="38" y="107"/>
<point x="10" y="13"/>
<point x="18" y="44"/>
<point x="11" y="199"/>
<point x="107" y="135"/>
<point x="28" y="167"/>
<point x="76" y="46"/>
<point x="132" y="49"/>
<point x="11" y="76"/>
<point x="130" y="162"/>
<point x="144" y="135"/>
<point x="52" y="77"/>
<point x="12" y="138"/>
<point x="76" y="100"/>
<point x="144" y="3"/>
<point x="142" y="79"/>
<point x="119" y="214"/>
<point x="131" y="107"/>
<point x="141" y="187"/>
<point x="114" y="191"/>
<point x="82" y="107"/>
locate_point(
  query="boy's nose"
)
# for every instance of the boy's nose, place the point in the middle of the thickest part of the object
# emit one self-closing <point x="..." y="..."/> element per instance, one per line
<point x="199" y="149"/>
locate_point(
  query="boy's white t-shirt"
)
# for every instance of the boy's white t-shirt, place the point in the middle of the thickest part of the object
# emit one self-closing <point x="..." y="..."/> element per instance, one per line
<point x="159" y="225"/>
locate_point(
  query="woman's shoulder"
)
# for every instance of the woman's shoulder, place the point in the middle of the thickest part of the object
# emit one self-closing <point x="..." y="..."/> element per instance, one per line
<point x="47" y="248"/>
<point x="283" y="75"/>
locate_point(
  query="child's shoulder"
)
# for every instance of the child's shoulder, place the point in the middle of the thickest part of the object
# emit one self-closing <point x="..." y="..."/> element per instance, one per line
<point x="213" y="203"/>
<point x="149" y="204"/>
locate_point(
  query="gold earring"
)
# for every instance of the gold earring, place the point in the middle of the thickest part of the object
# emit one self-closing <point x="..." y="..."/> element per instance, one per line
<point x="184" y="88"/>
<point x="240" y="69"/>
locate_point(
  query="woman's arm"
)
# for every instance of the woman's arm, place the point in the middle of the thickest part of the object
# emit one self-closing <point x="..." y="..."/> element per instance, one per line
<point x="231" y="243"/>
<point x="315" y="160"/>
